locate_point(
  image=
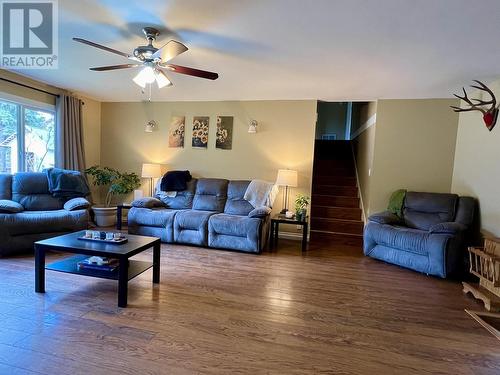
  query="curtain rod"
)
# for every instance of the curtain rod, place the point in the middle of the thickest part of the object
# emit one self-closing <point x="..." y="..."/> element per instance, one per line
<point x="29" y="87"/>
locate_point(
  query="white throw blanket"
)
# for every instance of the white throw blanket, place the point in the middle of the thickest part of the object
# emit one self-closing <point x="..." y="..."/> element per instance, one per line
<point x="261" y="193"/>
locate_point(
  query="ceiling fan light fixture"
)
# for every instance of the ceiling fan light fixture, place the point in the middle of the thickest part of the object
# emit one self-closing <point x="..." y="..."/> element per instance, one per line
<point x="161" y="79"/>
<point x="145" y="76"/>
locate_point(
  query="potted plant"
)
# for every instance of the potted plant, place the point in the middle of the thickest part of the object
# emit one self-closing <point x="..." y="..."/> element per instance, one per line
<point x="118" y="184"/>
<point x="301" y="203"/>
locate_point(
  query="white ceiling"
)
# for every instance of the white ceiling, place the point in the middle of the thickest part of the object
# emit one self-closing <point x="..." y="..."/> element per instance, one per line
<point x="285" y="49"/>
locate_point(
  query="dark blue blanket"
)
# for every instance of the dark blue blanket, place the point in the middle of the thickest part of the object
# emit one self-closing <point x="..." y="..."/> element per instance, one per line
<point x="64" y="183"/>
<point x="175" y="181"/>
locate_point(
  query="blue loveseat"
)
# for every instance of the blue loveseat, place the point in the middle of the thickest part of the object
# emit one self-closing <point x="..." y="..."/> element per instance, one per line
<point x="431" y="237"/>
<point x="210" y="212"/>
<point x="29" y="212"/>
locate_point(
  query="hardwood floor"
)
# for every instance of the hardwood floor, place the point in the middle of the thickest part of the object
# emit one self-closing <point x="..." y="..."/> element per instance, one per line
<point x="331" y="311"/>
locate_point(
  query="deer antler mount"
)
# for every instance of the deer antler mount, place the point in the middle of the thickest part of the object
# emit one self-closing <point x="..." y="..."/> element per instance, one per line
<point x="488" y="108"/>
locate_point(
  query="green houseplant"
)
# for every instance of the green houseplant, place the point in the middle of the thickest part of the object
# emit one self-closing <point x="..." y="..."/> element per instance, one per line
<point x="118" y="184"/>
<point x="301" y="203"/>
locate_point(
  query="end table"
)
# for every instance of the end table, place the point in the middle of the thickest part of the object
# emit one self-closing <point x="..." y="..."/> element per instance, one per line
<point x="282" y="219"/>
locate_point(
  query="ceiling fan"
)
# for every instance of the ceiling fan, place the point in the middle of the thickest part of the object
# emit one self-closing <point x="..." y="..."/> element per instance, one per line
<point x="152" y="60"/>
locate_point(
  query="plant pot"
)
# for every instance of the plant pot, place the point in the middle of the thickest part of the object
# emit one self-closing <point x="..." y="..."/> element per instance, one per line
<point x="105" y="216"/>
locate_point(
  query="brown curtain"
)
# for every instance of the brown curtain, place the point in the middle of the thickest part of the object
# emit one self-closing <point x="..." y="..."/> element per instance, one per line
<point x="70" y="153"/>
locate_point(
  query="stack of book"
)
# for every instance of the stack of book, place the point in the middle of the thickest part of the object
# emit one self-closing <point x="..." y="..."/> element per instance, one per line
<point x="102" y="264"/>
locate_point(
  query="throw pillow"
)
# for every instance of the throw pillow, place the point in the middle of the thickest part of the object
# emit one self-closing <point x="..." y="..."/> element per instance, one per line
<point x="8" y="206"/>
<point x="148" y="202"/>
<point x="76" y="204"/>
<point x="260" y="212"/>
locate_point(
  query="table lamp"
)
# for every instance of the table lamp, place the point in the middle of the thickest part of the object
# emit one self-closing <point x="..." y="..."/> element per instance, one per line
<point x="151" y="171"/>
<point x="287" y="178"/>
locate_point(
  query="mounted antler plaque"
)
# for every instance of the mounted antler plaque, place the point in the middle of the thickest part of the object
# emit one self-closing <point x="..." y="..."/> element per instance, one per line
<point x="490" y="113"/>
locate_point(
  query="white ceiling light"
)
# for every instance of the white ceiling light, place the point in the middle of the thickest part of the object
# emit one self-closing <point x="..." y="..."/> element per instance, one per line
<point x="145" y="76"/>
<point x="161" y="79"/>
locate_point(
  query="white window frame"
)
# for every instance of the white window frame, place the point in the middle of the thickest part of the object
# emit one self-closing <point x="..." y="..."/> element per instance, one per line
<point x="23" y="104"/>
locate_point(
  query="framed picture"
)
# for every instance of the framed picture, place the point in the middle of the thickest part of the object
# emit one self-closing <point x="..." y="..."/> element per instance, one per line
<point x="200" y="131"/>
<point x="176" y="131"/>
<point x="224" y="139"/>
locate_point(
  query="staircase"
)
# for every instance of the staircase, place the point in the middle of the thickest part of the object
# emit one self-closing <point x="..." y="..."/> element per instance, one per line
<point x="335" y="210"/>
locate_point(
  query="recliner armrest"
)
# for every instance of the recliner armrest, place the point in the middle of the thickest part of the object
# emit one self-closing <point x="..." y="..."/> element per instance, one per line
<point x="385" y="217"/>
<point x="148" y="202"/>
<point x="260" y="212"/>
<point x="447" y="228"/>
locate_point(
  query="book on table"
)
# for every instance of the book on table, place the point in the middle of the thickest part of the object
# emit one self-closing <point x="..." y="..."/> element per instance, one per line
<point x="98" y="264"/>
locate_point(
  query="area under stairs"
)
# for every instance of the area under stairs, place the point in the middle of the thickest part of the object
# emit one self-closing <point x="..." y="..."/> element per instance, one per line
<point x="335" y="206"/>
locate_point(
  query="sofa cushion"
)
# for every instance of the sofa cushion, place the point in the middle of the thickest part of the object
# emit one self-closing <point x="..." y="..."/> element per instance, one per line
<point x="32" y="191"/>
<point x="235" y="204"/>
<point x="159" y="218"/>
<point x="191" y="226"/>
<point x="450" y="228"/>
<point x="210" y="194"/>
<point x="182" y="200"/>
<point x="407" y="239"/>
<point x="5" y="186"/>
<point x="234" y="232"/>
<point x="31" y="222"/>
<point x="151" y="217"/>
<point x="10" y="206"/>
<point x="423" y="210"/>
<point x="76" y="204"/>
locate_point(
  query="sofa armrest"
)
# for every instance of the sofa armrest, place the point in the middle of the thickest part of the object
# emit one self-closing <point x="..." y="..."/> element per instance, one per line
<point x="385" y="217"/>
<point x="148" y="202"/>
<point x="447" y="228"/>
<point x="76" y="204"/>
<point x="260" y="212"/>
<point x="10" y="207"/>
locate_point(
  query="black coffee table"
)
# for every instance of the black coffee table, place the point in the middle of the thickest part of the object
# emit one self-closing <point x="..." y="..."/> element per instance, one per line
<point x="127" y="269"/>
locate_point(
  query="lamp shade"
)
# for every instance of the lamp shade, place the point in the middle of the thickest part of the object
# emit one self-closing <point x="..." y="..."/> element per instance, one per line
<point x="151" y="170"/>
<point x="286" y="177"/>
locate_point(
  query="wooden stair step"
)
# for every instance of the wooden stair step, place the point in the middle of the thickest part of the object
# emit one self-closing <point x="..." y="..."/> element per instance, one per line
<point x="334" y="180"/>
<point x="318" y="238"/>
<point x="337" y="172"/>
<point x="337" y="225"/>
<point x="337" y="201"/>
<point x="325" y="165"/>
<point x="346" y="191"/>
<point x="347" y="213"/>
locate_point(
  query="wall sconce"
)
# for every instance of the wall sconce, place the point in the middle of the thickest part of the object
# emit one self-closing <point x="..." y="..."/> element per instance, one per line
<point x="252" y="128"/>
<point x="150" y="126"/>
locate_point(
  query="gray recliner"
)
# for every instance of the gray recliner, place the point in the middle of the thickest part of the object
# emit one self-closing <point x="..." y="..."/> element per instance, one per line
<point x="40" y="215"/>
<point x="211" y="212"/>
<point x="431" y="237"/>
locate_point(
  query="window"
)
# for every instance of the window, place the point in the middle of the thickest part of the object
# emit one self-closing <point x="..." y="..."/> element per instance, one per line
<point x="27" y="137"/>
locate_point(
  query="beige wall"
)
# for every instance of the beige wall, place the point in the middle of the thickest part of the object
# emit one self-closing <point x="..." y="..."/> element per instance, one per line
<point x="477" y="168"/>
<point x="285" y="139"/>
<point x="25" y="92"/>
<point x="363" y="146"/>
<point x="412" y="146"/>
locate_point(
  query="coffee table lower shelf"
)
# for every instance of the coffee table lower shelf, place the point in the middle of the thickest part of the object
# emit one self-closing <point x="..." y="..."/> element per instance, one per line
<point x="70" y="265"/>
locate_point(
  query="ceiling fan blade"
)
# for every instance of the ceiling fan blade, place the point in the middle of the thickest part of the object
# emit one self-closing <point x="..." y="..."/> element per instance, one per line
<point x="114" y="67"/>
<point x="169" y="51"/>
<point x="108" y="49"/>
<point x="191" y="71"/>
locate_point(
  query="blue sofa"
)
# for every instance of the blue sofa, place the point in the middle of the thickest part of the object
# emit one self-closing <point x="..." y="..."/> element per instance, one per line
<point x="210" y="212"/>
<point x="431" y="237"/>
<point x="29" y="212"/>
